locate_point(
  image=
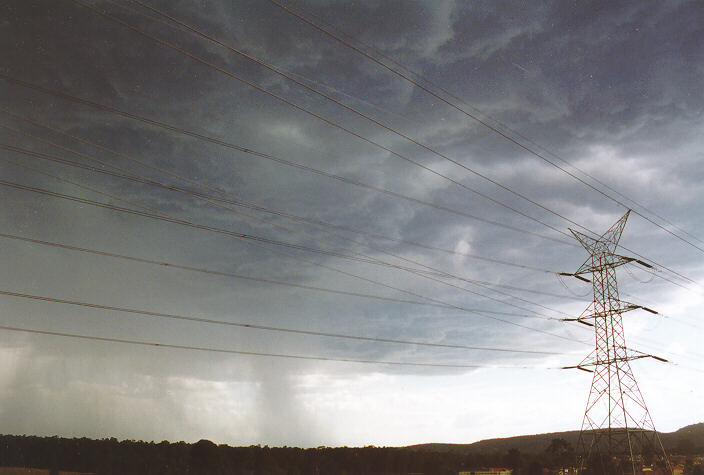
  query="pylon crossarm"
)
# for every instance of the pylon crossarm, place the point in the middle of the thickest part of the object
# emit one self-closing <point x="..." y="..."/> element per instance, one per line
<point x="644" y="264"/>
<point x="586" y="314"/>
<point x="614" y="260"/>
<point x="621" y="309"/>
<point x="578" y="320"/>
<point x="567" y="274"/>
<point x="622" y="359"/>
<point x="579" y="367"/>
<point x="633" y="306"/>
<point x="654" y="312"/>
<point x="647" y="355"/>
<point x="584" y="366"/>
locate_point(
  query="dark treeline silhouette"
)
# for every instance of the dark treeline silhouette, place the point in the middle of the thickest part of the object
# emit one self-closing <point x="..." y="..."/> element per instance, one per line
<point x="110" y="456"/>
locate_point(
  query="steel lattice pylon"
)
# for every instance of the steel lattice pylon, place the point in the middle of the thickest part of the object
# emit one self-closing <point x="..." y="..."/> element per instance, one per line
<point x="618" y="434"/>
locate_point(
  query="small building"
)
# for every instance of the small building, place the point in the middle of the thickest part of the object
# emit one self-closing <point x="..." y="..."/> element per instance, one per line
<point x="488" y="471"/>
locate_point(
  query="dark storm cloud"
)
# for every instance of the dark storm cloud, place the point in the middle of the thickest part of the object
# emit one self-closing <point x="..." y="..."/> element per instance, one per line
<point x="551" y="31"/>
<point x="611" y="87"/>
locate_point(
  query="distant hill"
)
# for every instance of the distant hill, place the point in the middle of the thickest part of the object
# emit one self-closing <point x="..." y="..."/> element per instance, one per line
<point x="110" y="456"/>
<point x="688" y="439"/>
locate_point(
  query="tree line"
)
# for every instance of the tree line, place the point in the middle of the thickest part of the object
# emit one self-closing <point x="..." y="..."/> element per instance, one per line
<point x="110" y="456"/>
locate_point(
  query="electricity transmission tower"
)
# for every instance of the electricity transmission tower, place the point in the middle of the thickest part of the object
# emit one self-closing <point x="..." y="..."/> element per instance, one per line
<point x="617" y="435"/>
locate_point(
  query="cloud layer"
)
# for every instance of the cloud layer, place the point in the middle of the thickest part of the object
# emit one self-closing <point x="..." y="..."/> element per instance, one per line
<point x="613" y="89"/>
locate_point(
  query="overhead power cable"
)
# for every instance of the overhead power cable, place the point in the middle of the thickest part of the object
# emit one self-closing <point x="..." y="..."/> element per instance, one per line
<point x="498" y="123"/>
<point x="474" y="282"/>
<point x="349" y="131"/>
<point x="341" y="127"/>
<point x="368" y="259"/>
<point x="136" y="177"/>
<point x="327" y="97"/>
<point x="365" y="116"/>
<point x="266" y="156"/>
<point x="140" y="179"/>
<point x="253" y="326"/>
<point x="425" y="273"/>
<point x="365" y="259"/>
<point x="179" y="221"/>
<point x="477" y="119"/>
<point x="151" y="213"/>
<point x="432" y="273"/>
<point x="171" y="265"/>
<point x="156" y="214"/>
<point x="429" y="274"/>
<point x="255" y="207"/>
<point x="222" y="273"/>
<point x="252" y="353"/>
<point x="272" y="158"/>
<point x="237" y="202"/>
<point x="416" y="142"/>
<point x="22" y="83"/>
<point x="252" y="206"/>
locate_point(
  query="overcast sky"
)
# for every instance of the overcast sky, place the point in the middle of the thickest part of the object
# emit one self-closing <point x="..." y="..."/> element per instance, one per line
<point x="613" y="88"/>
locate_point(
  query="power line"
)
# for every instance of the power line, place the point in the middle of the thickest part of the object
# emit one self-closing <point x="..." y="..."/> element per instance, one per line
<point x="512" y="131"/>
<point x="249" y="205"/>
<point x="277" y="242"/>
<point x="278" y="160"/>
<point x="429" y="270"/>
<point x="498" y="132"/>
<point x="222" y="273"/>
<point x="415" y="271"/>
<point x="139" y="178"/>
<point x="147" y="313"/>
<point x="157" y="344"/>
<point x="256" y="207"/>
<point x="483" y="284"/>
<point x="158" y="214"/>
<point x="253" y="353"/>
<point x="351" y="109"/>
<point x="341" y="127"/>
<point x="179" y="221"/>
<point x="171" y="265"/>
<point x="349" y="131"/>
<point x="265" y="156"/>
<point x="480" y="121"/>
<point x="432" y="275"/>
<point x="488" y="117"/>
<point x="433" y="270"/>
<point x="365" y="116"/>
<point x="365" y="259"/>
<point x="236" y="202"/>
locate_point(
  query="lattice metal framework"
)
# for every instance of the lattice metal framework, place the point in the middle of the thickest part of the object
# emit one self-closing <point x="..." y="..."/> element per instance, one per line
<point x="618" y="434"/>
